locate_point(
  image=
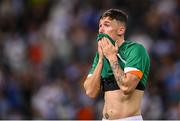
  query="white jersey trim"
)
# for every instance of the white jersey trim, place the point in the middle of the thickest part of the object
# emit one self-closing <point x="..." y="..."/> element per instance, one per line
<point x="89" y="75"/>
<point x="121" y="58"/>
<point x="127" y="69"/>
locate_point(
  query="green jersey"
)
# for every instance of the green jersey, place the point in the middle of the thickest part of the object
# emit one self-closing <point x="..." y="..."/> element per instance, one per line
<point x="132" y="58"/>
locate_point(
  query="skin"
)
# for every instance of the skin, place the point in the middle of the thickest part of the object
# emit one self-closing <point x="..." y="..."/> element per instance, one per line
<point x="126" y="101"/>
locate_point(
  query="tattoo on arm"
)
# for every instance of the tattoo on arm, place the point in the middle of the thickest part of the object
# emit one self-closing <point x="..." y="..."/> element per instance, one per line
<point x="118" y="73"/>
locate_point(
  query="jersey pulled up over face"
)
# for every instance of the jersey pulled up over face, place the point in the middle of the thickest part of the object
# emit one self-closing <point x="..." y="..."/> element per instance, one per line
<point x="132" y="57"/>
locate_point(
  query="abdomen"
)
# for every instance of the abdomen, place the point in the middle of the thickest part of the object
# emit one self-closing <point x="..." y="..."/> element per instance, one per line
<point x="117" y="105"/>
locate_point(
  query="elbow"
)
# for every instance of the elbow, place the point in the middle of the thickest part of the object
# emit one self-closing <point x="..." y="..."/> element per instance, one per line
<point x="90" y="94"/>
<point x="126" y="90"/>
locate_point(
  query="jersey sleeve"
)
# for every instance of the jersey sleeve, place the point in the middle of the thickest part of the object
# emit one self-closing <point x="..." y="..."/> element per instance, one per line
<point x="136" y="60"/>
<point x="94" y="64"/>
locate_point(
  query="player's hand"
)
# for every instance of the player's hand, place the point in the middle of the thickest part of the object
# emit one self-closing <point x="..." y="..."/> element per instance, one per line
<point x="109" y="50"/>
<point x="101" y="55"/>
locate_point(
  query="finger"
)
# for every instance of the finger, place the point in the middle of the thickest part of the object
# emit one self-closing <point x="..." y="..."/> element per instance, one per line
<point x="109" y="42"/>
<point x="100" y="44"/>
<point x="104" y="41"/>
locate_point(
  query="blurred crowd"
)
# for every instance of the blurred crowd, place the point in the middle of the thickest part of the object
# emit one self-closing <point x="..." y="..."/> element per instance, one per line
<point x="47" y="48"/>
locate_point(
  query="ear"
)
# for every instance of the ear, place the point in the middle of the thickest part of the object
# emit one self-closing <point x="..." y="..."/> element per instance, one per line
<point x="121" y="30"/>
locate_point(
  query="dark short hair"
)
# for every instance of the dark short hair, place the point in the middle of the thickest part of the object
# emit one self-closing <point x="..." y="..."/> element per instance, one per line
<point x="116" y="14"/>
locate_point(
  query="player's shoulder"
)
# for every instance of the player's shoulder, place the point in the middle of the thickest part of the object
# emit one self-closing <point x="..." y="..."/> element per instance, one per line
<point x="133" y="46"/>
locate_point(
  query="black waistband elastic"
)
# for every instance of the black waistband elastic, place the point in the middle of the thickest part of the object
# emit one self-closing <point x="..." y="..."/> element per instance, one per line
<point x="109" y="84"/>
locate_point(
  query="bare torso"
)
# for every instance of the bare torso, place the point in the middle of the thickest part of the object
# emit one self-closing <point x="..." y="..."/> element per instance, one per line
<point x="117" y="105"/>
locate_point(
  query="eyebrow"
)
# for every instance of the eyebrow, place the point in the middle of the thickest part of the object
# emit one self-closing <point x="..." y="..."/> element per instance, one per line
<point x="105" y="22"/>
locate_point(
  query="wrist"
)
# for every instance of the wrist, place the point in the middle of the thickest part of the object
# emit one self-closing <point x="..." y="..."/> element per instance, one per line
<point x="100" y="61"/>
<point x="113" y="58"/>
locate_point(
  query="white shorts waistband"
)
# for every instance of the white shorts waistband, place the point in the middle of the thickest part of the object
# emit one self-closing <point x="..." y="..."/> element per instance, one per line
<point x="132" y="118"/>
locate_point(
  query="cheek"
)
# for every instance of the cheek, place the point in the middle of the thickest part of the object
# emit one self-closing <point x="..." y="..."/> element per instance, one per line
<point x="112" y="32"/>
<point x="109" y="30"/>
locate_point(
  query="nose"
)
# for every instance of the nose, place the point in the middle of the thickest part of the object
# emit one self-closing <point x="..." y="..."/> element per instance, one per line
<point x="101" y="29"/>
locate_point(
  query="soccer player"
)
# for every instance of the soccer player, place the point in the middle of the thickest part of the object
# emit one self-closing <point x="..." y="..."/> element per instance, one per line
<point x="121" y="69"/>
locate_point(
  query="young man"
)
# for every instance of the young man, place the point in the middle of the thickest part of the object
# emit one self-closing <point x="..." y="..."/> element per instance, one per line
<point x="121" y="70"/>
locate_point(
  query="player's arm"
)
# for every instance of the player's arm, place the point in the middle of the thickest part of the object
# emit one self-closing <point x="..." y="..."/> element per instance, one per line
<point x="127" y="82"/>
<point x="92" y="82"/>
<point x="128" y="79"/>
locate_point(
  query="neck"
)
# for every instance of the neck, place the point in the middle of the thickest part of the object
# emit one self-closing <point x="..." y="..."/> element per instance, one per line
<point x="119" y="41"/>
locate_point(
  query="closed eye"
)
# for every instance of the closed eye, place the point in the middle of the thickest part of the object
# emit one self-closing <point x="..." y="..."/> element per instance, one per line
<point x="107" y="24"/>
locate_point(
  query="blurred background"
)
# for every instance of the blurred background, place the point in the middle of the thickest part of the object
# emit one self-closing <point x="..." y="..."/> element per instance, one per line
<point x="47" y="48"/>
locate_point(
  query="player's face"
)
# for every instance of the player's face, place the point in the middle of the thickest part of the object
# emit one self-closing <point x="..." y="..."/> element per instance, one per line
<point x="110" y="27"/>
